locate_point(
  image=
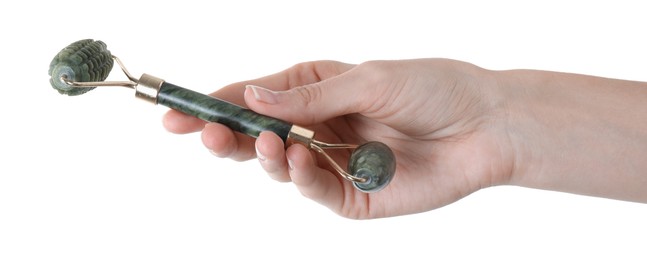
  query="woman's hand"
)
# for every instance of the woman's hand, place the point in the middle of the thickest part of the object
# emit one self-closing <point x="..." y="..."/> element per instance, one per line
<point x="442" y="118"/>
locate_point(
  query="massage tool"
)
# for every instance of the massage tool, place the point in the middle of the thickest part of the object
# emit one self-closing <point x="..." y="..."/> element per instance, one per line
<point x="85" y="65"/>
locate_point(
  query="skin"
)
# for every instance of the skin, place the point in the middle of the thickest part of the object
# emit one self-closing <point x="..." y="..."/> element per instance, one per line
<point x="454" y="127"/>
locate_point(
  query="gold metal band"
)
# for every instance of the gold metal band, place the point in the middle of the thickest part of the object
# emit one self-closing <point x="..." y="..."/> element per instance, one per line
<point x="300" y="135"/>
<point x="148" y="87"/>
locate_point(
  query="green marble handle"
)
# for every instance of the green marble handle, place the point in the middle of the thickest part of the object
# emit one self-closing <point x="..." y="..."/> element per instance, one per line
<point x="212" y="109"/>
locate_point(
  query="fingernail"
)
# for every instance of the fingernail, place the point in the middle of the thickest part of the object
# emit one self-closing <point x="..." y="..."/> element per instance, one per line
<point x="290" y="164"/>
<point x="214" y="153"/>
<point x="260" y="156"/>
<point x="263" y="95"/>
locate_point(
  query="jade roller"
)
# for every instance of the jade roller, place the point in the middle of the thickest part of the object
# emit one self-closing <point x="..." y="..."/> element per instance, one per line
<point x="85" y="65"/>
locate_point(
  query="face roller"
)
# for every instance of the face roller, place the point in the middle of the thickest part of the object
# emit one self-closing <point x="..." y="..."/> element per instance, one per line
<point x="85" y="64"/>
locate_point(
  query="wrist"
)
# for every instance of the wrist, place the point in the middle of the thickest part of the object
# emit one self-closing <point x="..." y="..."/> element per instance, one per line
<point x="576" y="133"/>
<point x="522" y="112"/>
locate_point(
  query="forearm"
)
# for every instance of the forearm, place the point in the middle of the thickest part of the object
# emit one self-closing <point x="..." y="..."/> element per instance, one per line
<point x="577" y="133"/>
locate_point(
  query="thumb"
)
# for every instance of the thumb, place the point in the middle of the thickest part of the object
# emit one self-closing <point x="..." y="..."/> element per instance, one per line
<point x="312" y="103"/>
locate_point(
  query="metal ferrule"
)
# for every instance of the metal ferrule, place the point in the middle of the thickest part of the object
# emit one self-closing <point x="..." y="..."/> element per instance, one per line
<point x="148" y="87"/>
<point x="300" y="135"/>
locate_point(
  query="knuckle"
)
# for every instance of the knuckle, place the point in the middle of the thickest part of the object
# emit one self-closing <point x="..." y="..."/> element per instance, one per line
<point x="375" y="66"/>
<point x="309" y="94"/>
<point x="376" y="72"/>
<point x="300" y="73"/>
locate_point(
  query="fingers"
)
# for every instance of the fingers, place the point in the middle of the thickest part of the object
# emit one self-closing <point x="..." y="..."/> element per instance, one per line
<point x="297" y="165"/>
<point x="180" y="123"/>
<point x="313" y="182"/>
<point x="270" y="152"/>
<point x="223" y="142"/>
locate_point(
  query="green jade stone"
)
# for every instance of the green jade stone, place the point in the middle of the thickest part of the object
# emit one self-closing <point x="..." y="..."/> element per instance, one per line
<point x="375" y="162"/>
<point x="82" y="61"/>
<point x="216" y="110"/>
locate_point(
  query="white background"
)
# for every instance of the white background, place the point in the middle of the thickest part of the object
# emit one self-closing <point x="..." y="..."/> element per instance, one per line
<point x="97" y="177"/>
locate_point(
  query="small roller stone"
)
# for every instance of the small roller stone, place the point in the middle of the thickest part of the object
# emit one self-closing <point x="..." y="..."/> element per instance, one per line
<point x="82" y="61"/>
<point x="375" y="162"/>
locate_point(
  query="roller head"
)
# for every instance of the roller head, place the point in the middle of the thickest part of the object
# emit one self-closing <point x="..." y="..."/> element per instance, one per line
<point x="82" y="61"/>
<point x="374" y="162"/>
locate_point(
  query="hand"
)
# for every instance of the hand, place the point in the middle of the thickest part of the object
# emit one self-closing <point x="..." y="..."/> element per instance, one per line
<point x="442" y="118"/>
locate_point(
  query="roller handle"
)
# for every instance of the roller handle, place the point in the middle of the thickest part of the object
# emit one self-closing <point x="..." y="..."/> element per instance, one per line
<point x="212" y="109"/>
